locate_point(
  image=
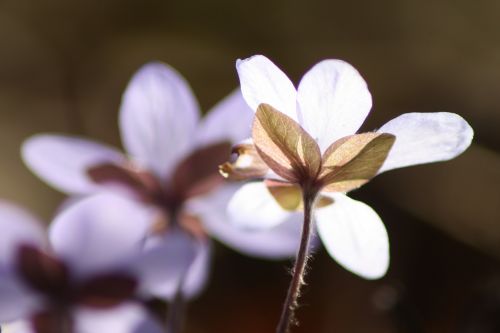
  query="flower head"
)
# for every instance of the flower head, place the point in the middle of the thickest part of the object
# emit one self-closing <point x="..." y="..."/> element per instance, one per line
<point x="91" y="264"/>
<point x="170" y="165"/>
<point x="306" y="139"/>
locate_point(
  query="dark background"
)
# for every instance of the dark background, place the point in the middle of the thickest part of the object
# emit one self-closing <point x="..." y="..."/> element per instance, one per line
<point x="64" y="65"/>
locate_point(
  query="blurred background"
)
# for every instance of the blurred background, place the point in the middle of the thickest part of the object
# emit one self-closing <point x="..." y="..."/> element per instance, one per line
<point x="64" y="65"/>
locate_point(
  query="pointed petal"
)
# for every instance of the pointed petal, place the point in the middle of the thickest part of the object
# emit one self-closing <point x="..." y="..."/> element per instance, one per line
<point x="278" y="242"/>
<point x="100" y="234"/>
<point x="165" y="261"/>
<point x="18" y="227"/>
<point x="62" y="161"/>
<point x="127" y="318"/>
<point x="229" y="120"/>
<point x="158" y="117"/>
<point x="16" y="301"/>
<point x="425" y="138"/>
<point x="354" y="236"/>
<point x="334" y="101"/>
<point x="263" y="82"/>
<point x="253" y="207"/>
<point x="285" y="147"/>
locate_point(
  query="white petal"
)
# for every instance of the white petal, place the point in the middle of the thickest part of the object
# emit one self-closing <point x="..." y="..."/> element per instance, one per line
<point x="354" y="236"/>
<point x="230" y="120"/>
<point x="19" y="326"/>
<point x="100" y="234"/>
<point x="165" y="261"/>
<point x="333" y="100"/>
<point x="263" y="82"/>
<point x="279" y="242"/>
<point x="62" y="161"/>
<point x="16" y="301"/>
<point x="426" y="137"/>
<point x="17" y="227"/>
<point x="127" y="318"/>
<point x="158" y="117"/>
<point x="253" y="207"/>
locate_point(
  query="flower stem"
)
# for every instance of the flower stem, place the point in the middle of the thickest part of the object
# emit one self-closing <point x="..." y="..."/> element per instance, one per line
<point x="176" y="310"/>
<point x="288" y="313"/>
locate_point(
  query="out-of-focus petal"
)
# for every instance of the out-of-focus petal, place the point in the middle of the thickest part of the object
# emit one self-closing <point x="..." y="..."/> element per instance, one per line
<point x="279" y="242"/>
<point x="17" y="227"/>
<point x="19" y="326"/>
<point x="354" y="236"/>
<point x="16" y="301"/>
<point x="229" y="120"/>
<point x="62" y="161"/>
<point x="426" y="137"/>
<point x="263" y="82"/>
<point x="100" y="234"/>
<point x="165" y="261"/>
<point x="127" y="318"/>
<point x="158" y="117"/>
<point x="197" y="275"/>
<point x="333" y="101"/>
<point x="253" y="207"/>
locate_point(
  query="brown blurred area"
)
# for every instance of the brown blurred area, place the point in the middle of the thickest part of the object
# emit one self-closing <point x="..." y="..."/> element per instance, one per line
<point x="64" y="65"/>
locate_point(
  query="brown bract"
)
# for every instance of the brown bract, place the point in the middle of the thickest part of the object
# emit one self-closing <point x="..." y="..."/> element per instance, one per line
<point x="194" y="175"/>
<point x="288" y="150"/>
<point x="247" y="164"/>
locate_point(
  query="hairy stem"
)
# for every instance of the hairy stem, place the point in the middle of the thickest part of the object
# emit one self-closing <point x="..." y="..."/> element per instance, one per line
<point x="288" y="313"/>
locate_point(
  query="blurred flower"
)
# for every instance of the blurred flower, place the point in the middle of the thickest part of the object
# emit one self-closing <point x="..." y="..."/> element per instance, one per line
<point x="303" y="140"/>
<point x="171" y="165"/>
<point x="89" y="271"/>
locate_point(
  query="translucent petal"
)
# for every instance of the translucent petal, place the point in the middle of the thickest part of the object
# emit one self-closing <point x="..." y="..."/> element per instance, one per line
<point x="334" y="101"/>
<point x="354" y="236"/>
<point x="158" y="117"/>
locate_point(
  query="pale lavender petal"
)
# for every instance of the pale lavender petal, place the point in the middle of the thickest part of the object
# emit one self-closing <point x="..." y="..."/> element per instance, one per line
<point x="63" y="161"/>
<point x="197" y="275"/>
<point x="230" y="120"/>
<point x="18" y="326"/>
<point x="158" y="118"/>
<point x="354" y="235"/>
<point x="253" y="207"/>
<point x="16" y="301"/>
<point x="333" y="101"/>
<point x="100" y="234"/>
<point x="126" y="318"/>
<point x="17" y="227"/>
<point x="425" y="138"/>
<point x="278" y="242"/>
<point x="165" y="261"/>
<point x="263" y="82"/>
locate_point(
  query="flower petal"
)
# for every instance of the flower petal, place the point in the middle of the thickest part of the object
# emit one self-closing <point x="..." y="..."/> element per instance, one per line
<point x="100" y="234"/>
<point x="16" y="301"/>
<point x="354" y="236"/>
<point x="165" y="261"/>
<point x="18" y="227"/>
<point x="278" y="242"/>
<point x="253" y="207"/>
<point x="334" y="101"/>
<point x="62" y="161"/>
<point x="127" y="318"/>
<point x="158" y="117"/>
<point x="263" y="82"/>
<point x="197" y="275"/>
<point x="425" y="138"/>
<point x="229" y="120"/>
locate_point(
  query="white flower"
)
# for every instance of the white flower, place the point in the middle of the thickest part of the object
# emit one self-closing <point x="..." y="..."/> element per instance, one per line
<point x="171" y="165"/>
<point x="306" y="136"/>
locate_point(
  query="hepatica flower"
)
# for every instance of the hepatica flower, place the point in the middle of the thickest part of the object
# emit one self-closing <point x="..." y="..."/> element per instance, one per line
<point x="87" y="273"/>
<point x="306" y="147"/>
<point x="171" y="165"/>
